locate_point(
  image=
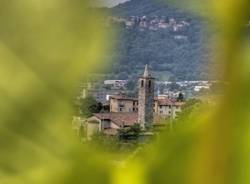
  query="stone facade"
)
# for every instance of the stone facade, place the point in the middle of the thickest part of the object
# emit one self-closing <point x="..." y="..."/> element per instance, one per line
<point x="123" y="104"/>
<point x="164" y="107"/>
<point x="146" y="99"/>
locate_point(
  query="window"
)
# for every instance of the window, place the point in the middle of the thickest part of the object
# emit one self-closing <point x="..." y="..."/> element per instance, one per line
<point x="121" y="104"/>
<point x="142" y="83"/>
<point x="105" y="124"/>
<point x="149" y="84"/>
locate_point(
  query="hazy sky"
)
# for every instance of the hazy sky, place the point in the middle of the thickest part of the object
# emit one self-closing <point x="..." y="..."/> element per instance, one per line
<point x="108" y="3"/>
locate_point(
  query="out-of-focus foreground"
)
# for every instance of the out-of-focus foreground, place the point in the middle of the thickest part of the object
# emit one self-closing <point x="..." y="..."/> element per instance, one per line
<point x="45" y="48"/>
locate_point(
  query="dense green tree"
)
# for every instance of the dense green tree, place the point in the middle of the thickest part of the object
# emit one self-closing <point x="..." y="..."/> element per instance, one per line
<point x="130" y="133"/>
<point x="89" y="105"/>
<point x="180" y="97"/>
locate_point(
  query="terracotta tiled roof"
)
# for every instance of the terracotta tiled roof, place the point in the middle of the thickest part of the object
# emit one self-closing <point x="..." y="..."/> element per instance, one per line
<point x="118" y="118"/>
<point x="168" y="101"/>
<point x="165" y="102"/>
<point x="123" y="118"/>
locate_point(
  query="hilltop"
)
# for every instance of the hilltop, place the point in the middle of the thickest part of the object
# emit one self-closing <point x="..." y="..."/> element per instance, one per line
<point x="173" y="42"/>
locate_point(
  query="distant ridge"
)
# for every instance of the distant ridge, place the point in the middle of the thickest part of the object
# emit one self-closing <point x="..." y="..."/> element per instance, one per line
<point x="168" y="54"/>
<point x="145" y="7"/>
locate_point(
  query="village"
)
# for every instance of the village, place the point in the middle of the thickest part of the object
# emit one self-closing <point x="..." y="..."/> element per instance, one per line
<point x="150" y="108"/>
<point x="151" y="23"/>
<point x="103" y="91"/>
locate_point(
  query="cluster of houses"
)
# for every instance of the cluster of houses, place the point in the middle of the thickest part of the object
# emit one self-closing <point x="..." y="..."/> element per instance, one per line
<point x="111" y="88"/>
<point x="147" y="110"/>
<point x="195" y="86"/>
<point x="116" y="83"/>
<point x="153" y="23"/>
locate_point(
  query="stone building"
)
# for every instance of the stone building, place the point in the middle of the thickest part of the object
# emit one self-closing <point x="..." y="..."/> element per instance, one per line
<point x="167" y="108"/>
<point x="145" y="99"/>
<point x="109" y="123"/>
<point x="163" y="106"/>
<point x="121" y="103"/>
<point x="147" y="110"/>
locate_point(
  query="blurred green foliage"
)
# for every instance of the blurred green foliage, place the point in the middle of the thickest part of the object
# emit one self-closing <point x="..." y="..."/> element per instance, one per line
<point x="45" y="45"/>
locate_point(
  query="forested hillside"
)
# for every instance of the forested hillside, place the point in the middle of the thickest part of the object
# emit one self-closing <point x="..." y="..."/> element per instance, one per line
<point x="174" y="43"/>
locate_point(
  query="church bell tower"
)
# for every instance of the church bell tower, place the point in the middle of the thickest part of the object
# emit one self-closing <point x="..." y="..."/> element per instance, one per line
<point x="145" y="99"/>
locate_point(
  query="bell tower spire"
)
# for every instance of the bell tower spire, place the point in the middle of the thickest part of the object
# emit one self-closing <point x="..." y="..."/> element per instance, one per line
<point x="145" y="98"/>
<point x="146" y="72"/>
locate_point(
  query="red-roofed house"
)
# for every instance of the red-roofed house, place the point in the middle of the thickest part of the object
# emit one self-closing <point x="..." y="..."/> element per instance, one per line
<point x="109" y="123"/>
